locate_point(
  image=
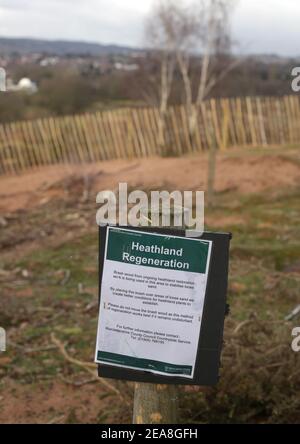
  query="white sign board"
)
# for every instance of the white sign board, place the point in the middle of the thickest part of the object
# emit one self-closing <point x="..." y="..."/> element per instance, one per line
<point x="151" y="301"/>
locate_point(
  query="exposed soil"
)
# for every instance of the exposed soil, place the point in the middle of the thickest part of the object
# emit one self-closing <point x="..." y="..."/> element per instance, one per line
<point x="55" y="402"/>
<point x="243" y="172"/>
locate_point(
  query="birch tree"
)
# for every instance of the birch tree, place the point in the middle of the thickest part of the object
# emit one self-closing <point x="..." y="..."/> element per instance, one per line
<point x="204" y="29"/>
<point x="160" y="29"/>
<point x="184" y="32"/>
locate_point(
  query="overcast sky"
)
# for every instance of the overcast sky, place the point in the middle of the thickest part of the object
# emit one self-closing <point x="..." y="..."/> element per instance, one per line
<point x="261" y="26"/>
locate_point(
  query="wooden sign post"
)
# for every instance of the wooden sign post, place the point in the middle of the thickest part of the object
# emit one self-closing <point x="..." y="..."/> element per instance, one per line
<point x="155" y="404"/>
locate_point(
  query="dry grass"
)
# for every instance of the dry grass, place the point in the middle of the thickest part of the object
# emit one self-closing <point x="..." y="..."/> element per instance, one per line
<point x="48" y="277"/>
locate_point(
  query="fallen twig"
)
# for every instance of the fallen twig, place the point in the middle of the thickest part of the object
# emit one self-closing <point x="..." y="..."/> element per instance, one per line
<point x="66" y="277"/>
<point x="294" y="314"/>
<point x="242" y="324"/>
<point x="87" y="366"/>
<point x="91" y="306"/>
<point x="56" y="419"/>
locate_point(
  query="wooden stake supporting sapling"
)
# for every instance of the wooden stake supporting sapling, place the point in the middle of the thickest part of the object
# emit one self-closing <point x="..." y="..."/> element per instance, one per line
<point x="211" y="173"/>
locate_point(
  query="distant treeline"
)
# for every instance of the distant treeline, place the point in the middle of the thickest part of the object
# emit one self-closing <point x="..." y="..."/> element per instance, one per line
<point x="65" y="89"/>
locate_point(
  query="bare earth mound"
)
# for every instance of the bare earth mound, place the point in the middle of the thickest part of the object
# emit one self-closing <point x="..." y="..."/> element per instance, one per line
<point x="240" y="171"/>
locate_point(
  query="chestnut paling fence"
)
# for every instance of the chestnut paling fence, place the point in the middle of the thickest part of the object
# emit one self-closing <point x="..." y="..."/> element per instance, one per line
<point x="134" y="132"/>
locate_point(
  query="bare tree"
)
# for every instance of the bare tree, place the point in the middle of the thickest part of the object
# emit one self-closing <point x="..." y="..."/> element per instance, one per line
<point x="160" y="32"/>
<point x="181" y="33"/>
<point x="203" y="28"/>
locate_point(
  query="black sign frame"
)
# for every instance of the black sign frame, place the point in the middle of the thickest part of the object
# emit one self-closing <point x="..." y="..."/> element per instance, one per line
<point x="215" y="308"/>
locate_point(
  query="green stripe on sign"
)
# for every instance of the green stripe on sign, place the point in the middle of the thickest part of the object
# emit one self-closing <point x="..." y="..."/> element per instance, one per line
<point x="151" y="250"/>
<point x="145" y="364"/>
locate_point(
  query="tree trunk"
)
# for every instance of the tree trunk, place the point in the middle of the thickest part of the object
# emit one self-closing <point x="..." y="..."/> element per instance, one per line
<point x="161" y="132"/>
<point x="193" y="124"/>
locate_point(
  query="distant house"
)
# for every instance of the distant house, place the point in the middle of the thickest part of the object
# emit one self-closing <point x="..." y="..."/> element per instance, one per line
<point x="24" y="84"/>
<point x="2" y="79"/>
<point x="126" y="66"/>
<point x="49" y="61"/>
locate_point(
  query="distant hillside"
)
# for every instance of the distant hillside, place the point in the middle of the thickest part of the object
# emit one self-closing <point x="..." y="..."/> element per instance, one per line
<point x="58" y="47"/>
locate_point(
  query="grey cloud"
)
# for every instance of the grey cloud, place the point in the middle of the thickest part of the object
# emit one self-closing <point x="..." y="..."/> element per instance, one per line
<point x="260" y="26"/>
